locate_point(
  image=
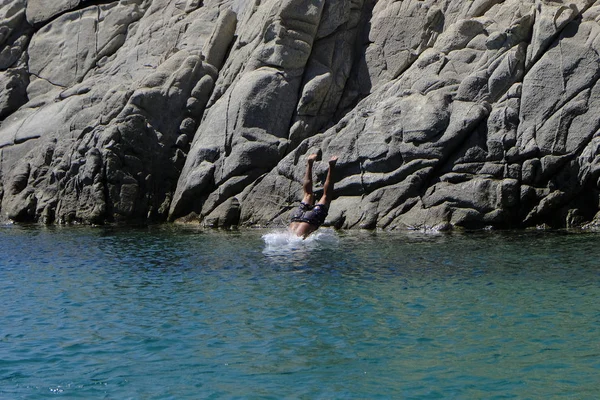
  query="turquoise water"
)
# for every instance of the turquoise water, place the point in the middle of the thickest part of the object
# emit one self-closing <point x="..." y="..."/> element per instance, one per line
<point x="163" y="313"/>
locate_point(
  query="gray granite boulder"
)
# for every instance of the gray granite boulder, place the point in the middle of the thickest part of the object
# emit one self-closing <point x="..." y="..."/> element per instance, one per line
<point x="245" y="130"/>
<point x="441" y="143"/>
<point x="443" y="114"/>
<point x="104" y="134"/>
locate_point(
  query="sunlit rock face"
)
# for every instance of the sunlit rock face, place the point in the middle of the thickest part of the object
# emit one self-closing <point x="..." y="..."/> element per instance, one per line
<point x="443" y="114"/>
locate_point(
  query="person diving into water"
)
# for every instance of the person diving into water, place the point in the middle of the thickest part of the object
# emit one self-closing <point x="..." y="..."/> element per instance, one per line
<point x="309" y="216"/>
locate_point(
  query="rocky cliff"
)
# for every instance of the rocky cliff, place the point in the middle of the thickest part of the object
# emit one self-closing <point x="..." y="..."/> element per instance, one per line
<point x="444" y="113"/>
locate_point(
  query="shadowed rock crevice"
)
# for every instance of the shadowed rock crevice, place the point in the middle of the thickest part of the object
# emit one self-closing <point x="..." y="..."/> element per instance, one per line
<point x="40" y="12"/>
<point x="15" y="34"/>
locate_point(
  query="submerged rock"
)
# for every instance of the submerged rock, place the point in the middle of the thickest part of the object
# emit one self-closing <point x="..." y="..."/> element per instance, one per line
<point x="443" y="113"/>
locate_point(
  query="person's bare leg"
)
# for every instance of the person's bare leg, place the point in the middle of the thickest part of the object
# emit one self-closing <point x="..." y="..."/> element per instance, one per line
<point x="328" y="186"/>
<point x="307" y="183"/>
<point x="302" y="229"/>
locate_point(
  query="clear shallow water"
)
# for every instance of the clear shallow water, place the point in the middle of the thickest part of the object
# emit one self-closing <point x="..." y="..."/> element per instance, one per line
<point x="165" y="313"/>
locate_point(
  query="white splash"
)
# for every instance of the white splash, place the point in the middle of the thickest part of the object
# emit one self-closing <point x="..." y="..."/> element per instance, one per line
<point x="281" y="241"/>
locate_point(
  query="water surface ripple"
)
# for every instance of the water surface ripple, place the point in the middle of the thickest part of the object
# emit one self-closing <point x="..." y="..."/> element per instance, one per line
<point x="160" y="313"/>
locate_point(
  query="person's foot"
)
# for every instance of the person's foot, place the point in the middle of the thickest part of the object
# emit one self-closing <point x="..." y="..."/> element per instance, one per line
<point x="332" y="161"/>
<point x="312" y="158"/>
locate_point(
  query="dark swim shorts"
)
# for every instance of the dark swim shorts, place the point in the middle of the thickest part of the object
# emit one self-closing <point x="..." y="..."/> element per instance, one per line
<point x="314" y="215"/>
